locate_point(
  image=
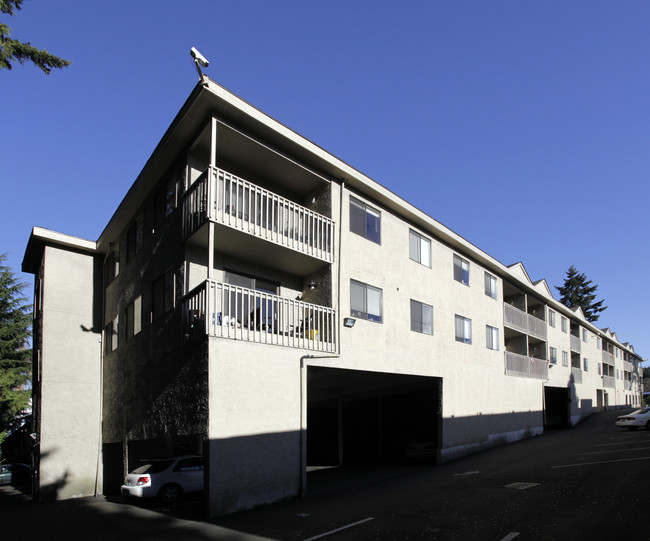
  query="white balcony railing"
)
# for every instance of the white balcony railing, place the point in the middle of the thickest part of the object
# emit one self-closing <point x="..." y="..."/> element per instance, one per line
<point x="525" y="366"/>
<point x="608" y="357"/>
<point x="523" y="322"/>
<point x="576" y="374"/>
<point x="609" y="382"/>
<point x="627" y="385"/>
<point x="575" y="343"/>
<point x="226" y="199"/>
<point x="238" y="313"/>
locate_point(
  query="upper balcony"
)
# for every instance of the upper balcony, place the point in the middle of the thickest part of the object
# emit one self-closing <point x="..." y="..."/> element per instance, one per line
<point x="256" y="224"/>
<point x="521" y="321"/>
<point x="238" y="313"/>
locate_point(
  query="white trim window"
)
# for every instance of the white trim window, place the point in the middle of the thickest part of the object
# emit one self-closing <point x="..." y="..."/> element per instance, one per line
<point x="421" y="317"/>
<point x="551" y="317"/>
<point x="365" y="301"/>
<point x="419" y="248"/>
<point x="365" y="220"/>
<point x="490" y="285"/>
<point x="463" y="329"/>
<point x="553" y="355"/>
<point x="492" y="338"/>
<point x="461" y="270"/>
<point x="565" y="358"/>
<point x="564" y="322"/>
<point x="133" y="318"/>
<point x="586" y="364"/>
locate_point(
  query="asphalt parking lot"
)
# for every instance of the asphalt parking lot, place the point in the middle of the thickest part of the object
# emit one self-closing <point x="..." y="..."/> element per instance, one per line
<point x="587" y="482"/>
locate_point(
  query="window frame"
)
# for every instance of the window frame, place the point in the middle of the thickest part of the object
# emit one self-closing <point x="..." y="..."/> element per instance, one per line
<point x="421" y="306"/>
<point x="564" y="324"/>
<point x="460" y="275"/>
<point x="490" y="282"/>
<point x="163" y="294"/>
<point x="492" y="338"/>
<point x="364" y="313"/>
<point x="551" y="317"/>
<point x="552" y="355"/>
<point x="133" y="318"/>
<point x="565" y="358"/>
<point x="134" y="238"/>
<point x="415" y="237"/>
<point x="466" y="325"/>
<point x="361" y="214"/>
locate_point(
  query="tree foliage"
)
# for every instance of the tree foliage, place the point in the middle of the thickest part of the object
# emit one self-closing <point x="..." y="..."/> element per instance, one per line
<point x="577" y="291"/>
<point x="12" y="50"/>
<point x="15" y="355"/>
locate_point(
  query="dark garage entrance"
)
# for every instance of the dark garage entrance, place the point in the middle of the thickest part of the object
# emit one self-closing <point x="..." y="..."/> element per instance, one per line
<point x="556" y="407"/>
<point x="368" y="418"/>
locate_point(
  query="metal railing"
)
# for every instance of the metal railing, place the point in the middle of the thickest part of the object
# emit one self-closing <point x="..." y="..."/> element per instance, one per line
<point x="576" y="373"/>
<point x="226" y="199"/>
<point x="228" y="311"/>
<point x="525" y="366"/>
<point x="575" y="343"/>
<point x="523" y="322"/>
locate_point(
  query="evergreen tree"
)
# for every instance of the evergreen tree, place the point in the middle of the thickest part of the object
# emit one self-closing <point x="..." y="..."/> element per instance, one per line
<point x="577" y="291"/>
<point x="12" y="49"/>
<point x="15" y="356"/>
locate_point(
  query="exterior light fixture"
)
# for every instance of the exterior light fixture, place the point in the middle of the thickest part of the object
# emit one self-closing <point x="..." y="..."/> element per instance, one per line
<point x="312" y="285"/>
<point x="349" y="322"/>
<point x="200" y="61"/>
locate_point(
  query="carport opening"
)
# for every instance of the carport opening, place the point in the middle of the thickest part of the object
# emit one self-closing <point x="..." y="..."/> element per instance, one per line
<point x="371" y="418"/>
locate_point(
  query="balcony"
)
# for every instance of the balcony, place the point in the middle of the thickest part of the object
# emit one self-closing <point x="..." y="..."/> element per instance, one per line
<point x="523" y="322"/>
<point x="576" y="374"/>
<point x="253" y="220"/>
<point x="627" y="385"/>
<point x="609" y="382"/>
<point x="526" y="367"/>
<point x="237" y="313"/>
<point x="575" y="343"/>
<point x="608" y="357"/>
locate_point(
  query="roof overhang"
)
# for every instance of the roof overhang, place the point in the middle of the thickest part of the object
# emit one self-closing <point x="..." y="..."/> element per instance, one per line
<point x="41" y="237"/>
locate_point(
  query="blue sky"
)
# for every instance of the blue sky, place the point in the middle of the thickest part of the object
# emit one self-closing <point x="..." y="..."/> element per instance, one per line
<point x="522" y="126"/>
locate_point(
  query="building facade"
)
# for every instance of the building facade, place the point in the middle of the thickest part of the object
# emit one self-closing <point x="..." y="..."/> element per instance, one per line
<point x="261" y="302"/>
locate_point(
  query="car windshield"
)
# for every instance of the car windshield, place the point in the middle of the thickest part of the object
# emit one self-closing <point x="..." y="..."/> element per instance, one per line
<point x="155" y="466"/>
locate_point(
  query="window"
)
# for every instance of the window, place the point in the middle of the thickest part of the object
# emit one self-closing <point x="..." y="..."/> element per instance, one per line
<point x="490" y="285"/>
<point x="365" y="220"/>
<point x="421" y="317"/>
<point x="565" y="358"/>
<point x="553" y="355"/>
<point x="551" y="317"/>
<point x="162" y="294"/>
<point x="110" y="336"/>
<point x="133" y="318"/>
<point x="365" y="301"/>
<point x="600" y="370"/>
<point x="134" y="238"/>
<point x="463" y="329"/>
<point x="586" y="364"/>
<point x="564" y="322"/>
<point x="164" y="202"/>
<point x="419" y="248"/>
<point x="598" y="343"/>
<point x="112" y="263"/>
<point x="461" y="270"/>
<point x="584" y="335"/>
<point x="491" y="337"/>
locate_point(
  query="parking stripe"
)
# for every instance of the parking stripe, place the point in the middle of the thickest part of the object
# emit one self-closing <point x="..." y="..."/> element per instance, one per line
<point x="613" y="451"/>
<point x="339" y="529"/>
<point x="601" y="462"/>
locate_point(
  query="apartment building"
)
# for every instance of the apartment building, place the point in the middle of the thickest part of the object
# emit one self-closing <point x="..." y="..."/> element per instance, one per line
<point x="259" y="301"/>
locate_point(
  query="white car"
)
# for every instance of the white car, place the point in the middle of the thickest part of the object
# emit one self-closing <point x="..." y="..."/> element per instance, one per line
<point x="165" y="478"/>
<point x="636" y="419"/>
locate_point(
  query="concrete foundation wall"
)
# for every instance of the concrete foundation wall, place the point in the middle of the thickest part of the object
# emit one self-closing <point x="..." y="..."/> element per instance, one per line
<point x="254" y="425"/>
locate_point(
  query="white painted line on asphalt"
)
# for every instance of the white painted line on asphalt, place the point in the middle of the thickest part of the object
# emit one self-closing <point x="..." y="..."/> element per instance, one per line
<point x="613" y="451"/>
<point x="601" y="462"/>
<point x="466" y="473"/>
<point x="510" y="536"/>
<point x="340" y="529"/>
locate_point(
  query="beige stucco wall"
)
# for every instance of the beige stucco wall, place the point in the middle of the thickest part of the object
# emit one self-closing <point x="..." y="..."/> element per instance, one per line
<point x="70" y="390"/>
<point x="254" y="424"/>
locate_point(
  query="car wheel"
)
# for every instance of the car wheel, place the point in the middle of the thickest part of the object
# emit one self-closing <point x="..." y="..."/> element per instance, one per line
<point x="170" y="493"/>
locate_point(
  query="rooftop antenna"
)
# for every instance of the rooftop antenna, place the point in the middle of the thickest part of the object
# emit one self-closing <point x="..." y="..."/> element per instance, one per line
<point x="200" y="61"/>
